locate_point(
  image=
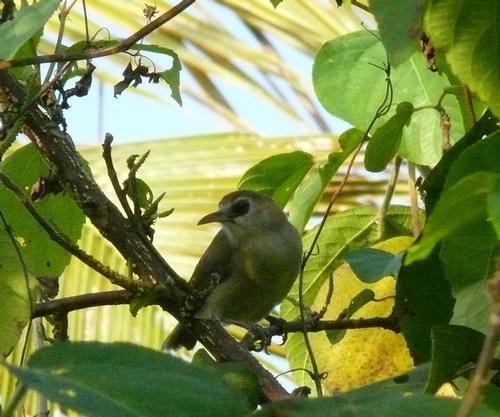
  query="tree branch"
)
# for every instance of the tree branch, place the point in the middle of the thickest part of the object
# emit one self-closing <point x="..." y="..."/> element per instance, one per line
<point x="155" y="275"/>
<point x="78" y="302"/>
<point x="120" y="47"/>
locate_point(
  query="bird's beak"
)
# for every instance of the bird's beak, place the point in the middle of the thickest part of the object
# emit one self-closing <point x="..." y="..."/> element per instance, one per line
<point x="217" y="216"/>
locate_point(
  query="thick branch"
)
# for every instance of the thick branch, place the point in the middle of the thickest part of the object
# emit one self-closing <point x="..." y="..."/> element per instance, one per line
<point x="154" y="273"/>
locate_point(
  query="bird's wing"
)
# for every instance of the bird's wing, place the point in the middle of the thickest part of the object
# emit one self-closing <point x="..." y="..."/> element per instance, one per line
<point x="216" y="260"/>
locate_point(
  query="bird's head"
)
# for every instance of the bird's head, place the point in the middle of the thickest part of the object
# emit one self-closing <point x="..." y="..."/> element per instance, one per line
<point x="246" y="211"/>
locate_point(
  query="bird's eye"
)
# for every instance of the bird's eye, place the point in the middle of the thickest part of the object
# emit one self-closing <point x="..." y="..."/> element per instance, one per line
<point x="240" y="208"/>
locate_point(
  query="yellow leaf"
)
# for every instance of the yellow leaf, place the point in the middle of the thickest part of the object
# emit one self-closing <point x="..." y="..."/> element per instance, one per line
<point x="363" y="356"/>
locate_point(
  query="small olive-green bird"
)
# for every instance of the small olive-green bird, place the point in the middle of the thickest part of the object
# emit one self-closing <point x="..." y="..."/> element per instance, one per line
<point x="254" y="260"/>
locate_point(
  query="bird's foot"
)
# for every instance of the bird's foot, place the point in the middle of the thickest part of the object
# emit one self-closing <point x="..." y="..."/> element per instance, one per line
<point x="256" y="339"/>
<point x="277" y="327"/>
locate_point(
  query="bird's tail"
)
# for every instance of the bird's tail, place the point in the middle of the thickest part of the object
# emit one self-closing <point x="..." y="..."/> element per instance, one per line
<point x="179" y="337"/>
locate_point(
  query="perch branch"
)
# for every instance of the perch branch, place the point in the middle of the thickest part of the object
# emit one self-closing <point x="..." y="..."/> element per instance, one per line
<point x="171" y="292"/>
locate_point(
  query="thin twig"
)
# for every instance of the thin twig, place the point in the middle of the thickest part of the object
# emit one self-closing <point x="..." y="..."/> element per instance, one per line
<point x="361" y="5"/>
<point x="415" y="215"/>
<point x="122" y="197"/>
<point x="328" y="297"/>
<point x="113" y="177"/>
<point x="315" y="375"/>
<point x="87" y="35"/>
<point x="383" y="108"/>
<point x="63" y="241"/>
<point x="63" y="15"/>
<point x="120" y="47"/>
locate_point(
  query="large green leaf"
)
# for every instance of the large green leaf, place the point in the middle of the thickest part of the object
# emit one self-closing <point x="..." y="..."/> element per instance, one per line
<point x="344" y="77"/>
<point x="468" y="251"/>
<point x="423" y="300"/>
<point x="372" y="401"/>
<point x="482" y="156"/>
<point x="467" y="32"/>
<point x="468" y="257"/>
<point x="312" y="187"/>
<point x="278" y="176"/>
<point x="400" y="27"/>
<point x="453" y="348"/>
<point x="122" y="379"/>
<point x="371" y="264"/>
<point x="15" y="306"/>
<point x="464" y="201"/>
<point x="43" y="256"/>
<point x="34" y="253"/>
<point x="27" y="22"/>
<point x="461" y="204"/>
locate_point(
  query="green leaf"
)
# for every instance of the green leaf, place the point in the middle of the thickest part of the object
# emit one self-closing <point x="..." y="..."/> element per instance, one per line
<point x="423" y="296"/>
<point x="453" y="26"/>
<point x="311" y="188"/>
<point x="494" y="207"/>
<point x="236" y="374"/>
<point x="462" y="203"/>
<point x="370" y="264"/>
<point x="384" y="144"/>
<point x="140" y="192"/>
<point x="400" y="27"/>
<point x="362" y="298"/>
<point x="121" y="379"/>
<point x="359" y="300"/>
<point x="467" y="253"/>
<point x="468" y="258"/>
<point x="482" y="156"/>
<point x="43" y="256"/>
<point x="413" y="381"/>
<point x="15" y="309"/>
<point x="277" y="176"/>
<point x="344" y="77"/>
<point x="26" y="23"/>
<point x="372" y="401"/>
<point x="453" y="348"/>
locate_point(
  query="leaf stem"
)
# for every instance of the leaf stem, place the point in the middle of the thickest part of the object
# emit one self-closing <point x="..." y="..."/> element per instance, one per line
<point x="391" y="186"/>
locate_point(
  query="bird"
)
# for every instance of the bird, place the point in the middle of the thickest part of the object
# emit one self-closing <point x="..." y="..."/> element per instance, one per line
<point x="251" y="263"/>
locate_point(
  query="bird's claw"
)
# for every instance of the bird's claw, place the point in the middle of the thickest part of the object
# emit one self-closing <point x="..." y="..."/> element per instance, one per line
<point x="257" y="339"/>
